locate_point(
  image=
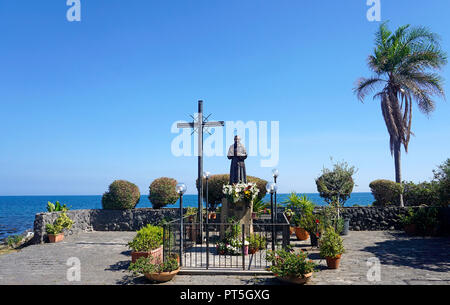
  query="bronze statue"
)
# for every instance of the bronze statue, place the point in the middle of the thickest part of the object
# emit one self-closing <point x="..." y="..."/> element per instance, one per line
<point x="237" y="154"/>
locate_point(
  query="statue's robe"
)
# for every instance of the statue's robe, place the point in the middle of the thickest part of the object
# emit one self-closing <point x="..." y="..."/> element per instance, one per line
<point x="237" y="154"/>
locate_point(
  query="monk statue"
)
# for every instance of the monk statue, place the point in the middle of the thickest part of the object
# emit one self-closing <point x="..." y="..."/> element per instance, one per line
<point x="237" y="154"/>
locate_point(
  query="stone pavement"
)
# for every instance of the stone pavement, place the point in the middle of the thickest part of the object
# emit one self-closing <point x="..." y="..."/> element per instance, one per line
<point x="104" y="259"/>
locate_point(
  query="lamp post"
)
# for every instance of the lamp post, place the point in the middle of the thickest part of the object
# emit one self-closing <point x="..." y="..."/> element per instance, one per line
<point x="181" y="189"/>
<point x="272" y="188"/>
<point x="206" y="177"/>
<point x="275" y="174"/>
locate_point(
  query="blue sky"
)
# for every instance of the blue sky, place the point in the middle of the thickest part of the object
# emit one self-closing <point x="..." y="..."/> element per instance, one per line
<point x="85" y="103"/>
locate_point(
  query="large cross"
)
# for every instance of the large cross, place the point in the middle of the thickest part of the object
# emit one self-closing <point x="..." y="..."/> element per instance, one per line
<point x="199" y="124"/>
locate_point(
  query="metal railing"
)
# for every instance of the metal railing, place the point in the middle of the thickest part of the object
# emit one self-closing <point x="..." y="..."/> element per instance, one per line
<point x="224" y="245"/>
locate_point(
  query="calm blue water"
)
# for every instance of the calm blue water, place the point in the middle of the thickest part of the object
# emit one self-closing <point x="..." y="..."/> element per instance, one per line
<point x="17" y="212"/>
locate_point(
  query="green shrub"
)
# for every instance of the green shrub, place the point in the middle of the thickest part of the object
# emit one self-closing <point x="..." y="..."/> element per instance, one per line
<point x="256" y="242"/>
<point x="61" y="223"/>
<point x="299" y="204"/>
<point x="285" y="263"/>
<point x="13" y="240"/>
<point x="144" y="265"/>
<point x="162" y="192"/>
<point x="426" y="219"/>
<point x="331" y="244"/>
<point x="216" y="183"/>
<point x="147" y="239"/>
<point x="336" y="185"/>
<point x="56" y="207"/>
<point x="386" y="192"/>
<point x="442" y="178"/>
<point x="122" y="195"/>
<point x="425" y="193"/>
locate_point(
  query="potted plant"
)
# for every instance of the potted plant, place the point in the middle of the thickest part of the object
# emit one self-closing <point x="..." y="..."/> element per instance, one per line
<point x="331" y="247"/>
<point x="147" y="242"/>
<point x="291" y="267"/>
<point x="156" y="269"/>
<point x="312" y="225"/>
<point x="289" y="213"/>
<point x="300" y="232"/>
<point x="55" y="230"/>
<point x="256" y="242"/>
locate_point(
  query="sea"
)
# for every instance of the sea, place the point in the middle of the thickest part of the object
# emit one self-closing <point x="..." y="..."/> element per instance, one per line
<point x="17" y="212"/>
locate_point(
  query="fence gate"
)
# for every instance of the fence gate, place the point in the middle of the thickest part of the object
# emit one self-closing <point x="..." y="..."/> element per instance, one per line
<point x="223" y="245"/>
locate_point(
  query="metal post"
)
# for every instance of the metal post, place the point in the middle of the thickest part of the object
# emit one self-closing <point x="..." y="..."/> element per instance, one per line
<point x="275" y="207"/>
<point x="243" y="246"/>
<point x="207" y="204"/>
<point x="200" y="170"/>
<point x="207" y="246"/>
<point x="181" y="230"/>
<point x="273" y="225"/>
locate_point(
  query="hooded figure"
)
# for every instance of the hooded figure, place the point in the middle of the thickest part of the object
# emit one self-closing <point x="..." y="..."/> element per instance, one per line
<point x="237" y="154"/>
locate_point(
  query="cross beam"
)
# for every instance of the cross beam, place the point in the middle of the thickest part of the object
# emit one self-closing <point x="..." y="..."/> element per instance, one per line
<point x="199" y="125"/>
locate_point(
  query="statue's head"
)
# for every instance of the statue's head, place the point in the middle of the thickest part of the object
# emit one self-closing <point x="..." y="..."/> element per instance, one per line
<point x="237" y="139"/>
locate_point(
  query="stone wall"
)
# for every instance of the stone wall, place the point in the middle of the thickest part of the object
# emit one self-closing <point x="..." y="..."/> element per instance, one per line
<point x="361" y="219"/>
<point x="103" y="220"/>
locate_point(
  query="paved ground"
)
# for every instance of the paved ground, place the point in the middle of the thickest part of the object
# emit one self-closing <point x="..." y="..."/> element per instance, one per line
<point x="104" y="259"/>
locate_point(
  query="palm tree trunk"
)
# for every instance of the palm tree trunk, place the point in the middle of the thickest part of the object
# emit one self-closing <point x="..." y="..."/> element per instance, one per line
<point x="398" y="167"/>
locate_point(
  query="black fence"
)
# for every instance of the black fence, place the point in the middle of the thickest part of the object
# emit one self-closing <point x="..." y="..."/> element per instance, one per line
<point x="224" y="245"/>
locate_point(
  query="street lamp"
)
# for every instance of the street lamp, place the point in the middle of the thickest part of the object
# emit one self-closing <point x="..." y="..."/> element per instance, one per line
<point x="181" y="189"/>
<point x="275" y="174"/>
<point x="206" y="176"/>
<point x="272" y="188"/>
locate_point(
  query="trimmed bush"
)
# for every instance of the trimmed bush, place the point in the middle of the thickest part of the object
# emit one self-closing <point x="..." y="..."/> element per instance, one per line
<point x="147" y="239"/>
<point x="216" y="183"/>
<point x="386" y="192"/>
<point x="336" y="185"/>
<point x="425" y="193"/>
<point x="122" y="195"/>
<point x="162" y="192"/>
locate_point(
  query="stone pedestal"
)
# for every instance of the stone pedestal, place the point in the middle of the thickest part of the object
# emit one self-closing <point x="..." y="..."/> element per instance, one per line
<point x="242" y="212"/>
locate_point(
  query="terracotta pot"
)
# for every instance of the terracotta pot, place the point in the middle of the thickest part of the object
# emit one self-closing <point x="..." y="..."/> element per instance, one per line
<point x="292" y="230"/>
<point x="333" y="262"/>
<point x="301" y="234"/>
<point x="55" y="238"/>
<point x="162" y="277"/>
<point x="411" y="229"/>
<point x="252" y="250"/>
<point x="212" y="216"/>
<point x="296" y="280"/>
<point x="157" y="255"/>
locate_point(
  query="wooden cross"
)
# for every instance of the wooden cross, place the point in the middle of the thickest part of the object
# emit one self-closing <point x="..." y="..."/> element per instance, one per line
<point x="199" y="124"/>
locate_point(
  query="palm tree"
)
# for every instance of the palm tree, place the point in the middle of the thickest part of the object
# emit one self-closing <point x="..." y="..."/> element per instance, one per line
<point x="403" y="63"/>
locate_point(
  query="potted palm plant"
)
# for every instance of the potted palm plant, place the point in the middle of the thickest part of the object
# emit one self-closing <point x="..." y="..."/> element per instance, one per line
<point x="291" y="267"/>
<point x="55" y="231"/>
<point x="331" y="247"/>
<point x="155" y="269"/>
<point x="256" y="242"/>
<point x="147" y="242"/>
<point x="300" y="231"/>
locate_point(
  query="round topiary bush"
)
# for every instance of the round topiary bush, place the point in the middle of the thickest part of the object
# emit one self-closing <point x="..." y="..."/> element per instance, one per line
<point x="216" y="183"/>
<point x="122" y="195"/>
<point x="386" y="192"/>
<point x="162" y="192"/>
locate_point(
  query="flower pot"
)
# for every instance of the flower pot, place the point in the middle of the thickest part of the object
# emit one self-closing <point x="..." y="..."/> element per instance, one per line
<point x="301" y="234"/>
<point x="296" y="280"/>
<point x="162" y="277"/>
<point x="212" y="215"/>
<point x="333" y="262"/>
<point x="411" y="229"/>
<point x="55" y="238"/>
<point x="245" y="249"/>
<point x="157" y="255"/>
<point x="252" y="250"/>
<point x="291" y="230"/>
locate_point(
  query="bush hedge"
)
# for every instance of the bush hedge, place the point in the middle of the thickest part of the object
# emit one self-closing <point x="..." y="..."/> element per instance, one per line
<point x="386" y="192"/>
<point x="162" y="192"/>
<point x="122" y="195"/>
<point x="216" y="183"/>
<point x="425" y="193"/>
